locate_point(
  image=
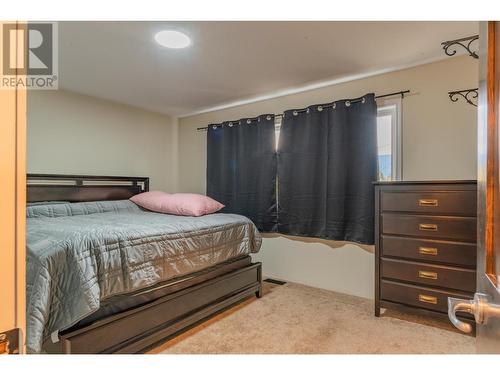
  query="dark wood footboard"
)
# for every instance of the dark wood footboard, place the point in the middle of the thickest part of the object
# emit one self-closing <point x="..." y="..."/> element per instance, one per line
<point x="136" y="329"/>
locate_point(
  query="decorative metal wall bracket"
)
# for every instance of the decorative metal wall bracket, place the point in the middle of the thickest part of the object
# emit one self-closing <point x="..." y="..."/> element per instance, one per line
<point x="464" y="42"/>
<point x="469" y="95"/>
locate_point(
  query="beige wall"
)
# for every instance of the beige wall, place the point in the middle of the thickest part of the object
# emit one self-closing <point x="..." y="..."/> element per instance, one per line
<point x="77" y="134"/>
<point x="439" y="142"/>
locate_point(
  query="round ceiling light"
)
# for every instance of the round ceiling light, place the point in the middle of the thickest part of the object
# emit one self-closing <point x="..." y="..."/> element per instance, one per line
<point x="172" y="39"/>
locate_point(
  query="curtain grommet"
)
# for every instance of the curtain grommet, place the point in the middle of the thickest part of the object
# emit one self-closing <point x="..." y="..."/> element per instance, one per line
<point x="363" y="100"/>
<point x="347" y="103"/>
<point x="320" y="108"/>
<point x="214" y="127"/>
<point x="295" y="113"/>
<point x="334" y="105"/>
<point x="249" y="121"/>
<point x="230" y="124"/>
<point x="268" y="117"/>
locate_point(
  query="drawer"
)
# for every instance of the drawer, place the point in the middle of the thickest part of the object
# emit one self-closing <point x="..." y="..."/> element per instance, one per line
<point x="129" y="326"/>
<point x="429" y="274"/>
<point x="459" y="253"/>
<point x="461" y="203"/>
<point x="449" y="227"/>
<point x="416" y="296"/>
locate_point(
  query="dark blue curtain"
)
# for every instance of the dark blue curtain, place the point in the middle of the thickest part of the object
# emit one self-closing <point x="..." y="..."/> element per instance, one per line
<point x="327" y="163"/>
<point x="241" y="168"/>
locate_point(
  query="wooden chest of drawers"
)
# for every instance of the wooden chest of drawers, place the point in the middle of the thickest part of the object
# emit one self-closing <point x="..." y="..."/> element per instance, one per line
<point x="425" y="245"/>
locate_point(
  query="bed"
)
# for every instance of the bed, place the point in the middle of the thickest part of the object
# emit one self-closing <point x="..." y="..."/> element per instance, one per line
<point x="106" y="276"/>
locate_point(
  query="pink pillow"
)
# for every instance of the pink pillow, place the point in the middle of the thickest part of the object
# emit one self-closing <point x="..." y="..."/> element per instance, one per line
<point x="183" y="204"/>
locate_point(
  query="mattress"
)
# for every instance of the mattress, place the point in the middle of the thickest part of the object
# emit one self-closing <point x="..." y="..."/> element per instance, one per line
<point x="80" y="255"/>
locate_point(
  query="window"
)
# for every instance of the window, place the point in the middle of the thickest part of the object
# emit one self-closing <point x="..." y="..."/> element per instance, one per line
<point x="389" y="140"/>
<point x="277" y="128"/>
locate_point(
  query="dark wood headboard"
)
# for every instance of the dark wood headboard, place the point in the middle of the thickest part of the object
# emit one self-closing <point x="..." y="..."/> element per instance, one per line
<point x="77" y="188"/>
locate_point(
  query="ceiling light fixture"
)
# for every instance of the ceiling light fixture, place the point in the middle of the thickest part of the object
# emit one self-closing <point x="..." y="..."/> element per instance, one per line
<point x="172" y="39"/>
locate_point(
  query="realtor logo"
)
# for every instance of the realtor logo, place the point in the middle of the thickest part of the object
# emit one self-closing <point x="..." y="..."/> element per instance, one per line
<point x="29" y="56"/>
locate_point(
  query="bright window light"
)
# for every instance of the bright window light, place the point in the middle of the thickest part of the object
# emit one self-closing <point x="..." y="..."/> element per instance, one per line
<point x="172" y="39"/>
<point x="389" y="134"/>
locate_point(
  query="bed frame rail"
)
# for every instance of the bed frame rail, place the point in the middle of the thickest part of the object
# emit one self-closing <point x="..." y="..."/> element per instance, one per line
<point x="140" y="328"/>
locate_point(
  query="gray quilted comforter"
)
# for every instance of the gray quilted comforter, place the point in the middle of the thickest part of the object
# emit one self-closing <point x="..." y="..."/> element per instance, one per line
<point x="79" y="254"/>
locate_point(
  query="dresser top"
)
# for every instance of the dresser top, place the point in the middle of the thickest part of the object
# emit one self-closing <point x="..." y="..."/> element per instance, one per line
<point x="424" y="182"/>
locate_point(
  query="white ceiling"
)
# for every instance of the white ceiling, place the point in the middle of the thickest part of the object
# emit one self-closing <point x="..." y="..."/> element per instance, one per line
<point x="231" y="61"/>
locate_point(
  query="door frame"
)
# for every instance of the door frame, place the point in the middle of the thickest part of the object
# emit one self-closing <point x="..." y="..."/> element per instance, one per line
<point x="13" y="200"/>
<point x="488" y="183"/>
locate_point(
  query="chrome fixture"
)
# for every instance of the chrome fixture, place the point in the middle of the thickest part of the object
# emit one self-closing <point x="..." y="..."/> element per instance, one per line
<point x="480" y="307"/>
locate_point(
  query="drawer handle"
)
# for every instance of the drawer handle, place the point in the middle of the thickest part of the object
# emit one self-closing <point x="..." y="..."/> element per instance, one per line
<point x="428" y="202"/>
<point x="428" y="227"/>
<point x="427" y="250"/>
<point x="427" y="299"/>
<point x="428" y="275"/>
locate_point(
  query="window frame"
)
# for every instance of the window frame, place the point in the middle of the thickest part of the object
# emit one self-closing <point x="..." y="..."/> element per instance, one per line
<point x="393" y="108"/>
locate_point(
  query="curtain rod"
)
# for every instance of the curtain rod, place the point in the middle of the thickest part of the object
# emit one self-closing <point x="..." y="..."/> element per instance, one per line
<point x="402" y="93"/>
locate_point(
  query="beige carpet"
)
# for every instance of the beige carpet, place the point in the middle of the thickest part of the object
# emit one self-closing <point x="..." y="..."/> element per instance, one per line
<point x="295" y="318"/>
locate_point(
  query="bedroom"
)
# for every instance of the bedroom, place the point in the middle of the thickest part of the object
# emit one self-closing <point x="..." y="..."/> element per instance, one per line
<point x="278" y="195"/>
